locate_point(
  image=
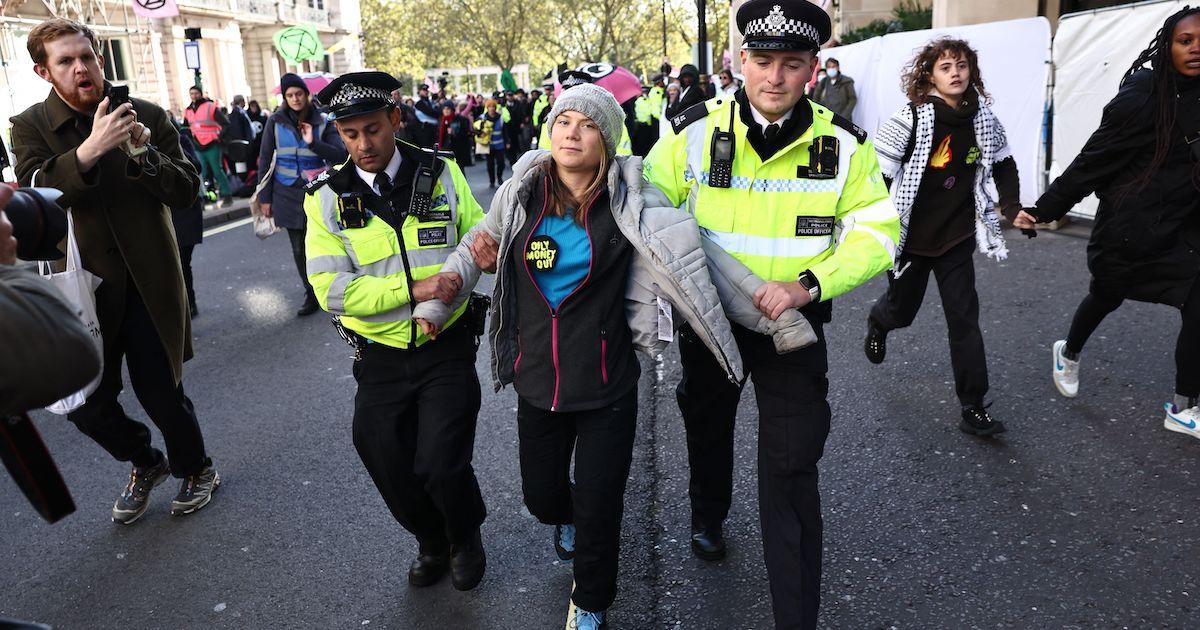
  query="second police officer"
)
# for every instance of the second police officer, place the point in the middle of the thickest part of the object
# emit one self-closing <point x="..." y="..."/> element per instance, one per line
<point x="795" y="193"/>
<point x="379" y="228"/>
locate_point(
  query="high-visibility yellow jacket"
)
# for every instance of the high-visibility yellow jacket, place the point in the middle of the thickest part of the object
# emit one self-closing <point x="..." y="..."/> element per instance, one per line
<point x="541" y="103"/>
<point x="776" y="221"/>
<point x="624" y="147"/>
<point x="656" y="98"/>
<point x="359" y="274"/>
<point x="643" y="109"/>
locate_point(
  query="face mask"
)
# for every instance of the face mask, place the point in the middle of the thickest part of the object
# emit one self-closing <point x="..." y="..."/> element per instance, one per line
<point x="832" y="72"/>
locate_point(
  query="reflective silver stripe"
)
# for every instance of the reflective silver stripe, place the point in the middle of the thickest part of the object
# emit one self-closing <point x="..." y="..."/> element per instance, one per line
<point x="882" y="210"/>
<point x="301" y="152"/>
<point x="328" y="264"/>
<point x="788" y="247"/>
<point x="335" y="298"/>
<point x="329" y="209"/>
<point x="395" y="315"/>
<point x="780" y="185"/>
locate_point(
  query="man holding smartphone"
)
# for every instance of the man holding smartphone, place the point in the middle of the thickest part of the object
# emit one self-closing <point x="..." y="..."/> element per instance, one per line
<point x="120" y="169"/>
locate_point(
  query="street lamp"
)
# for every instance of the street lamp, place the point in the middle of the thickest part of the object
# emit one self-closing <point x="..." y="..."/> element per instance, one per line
<point x="702" y="38"/>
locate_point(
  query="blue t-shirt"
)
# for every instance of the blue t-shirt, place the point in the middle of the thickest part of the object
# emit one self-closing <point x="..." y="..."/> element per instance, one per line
<point x="558" y="256"/>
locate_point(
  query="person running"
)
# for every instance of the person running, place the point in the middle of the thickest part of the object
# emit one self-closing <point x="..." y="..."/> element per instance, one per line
<point x="298" y="145"/>
<point x="580" y="253"/>
<point x="489" y="135"/>
<point x="1142" y="163"/>
<point x="938" y="165"/>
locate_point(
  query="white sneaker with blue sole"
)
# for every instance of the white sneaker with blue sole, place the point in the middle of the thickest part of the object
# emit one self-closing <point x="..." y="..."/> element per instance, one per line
<point x="1186" y="421"/>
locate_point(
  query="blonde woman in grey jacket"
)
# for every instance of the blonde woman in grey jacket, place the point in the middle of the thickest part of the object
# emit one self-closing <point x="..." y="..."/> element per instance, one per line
<point x="586" y="274"/>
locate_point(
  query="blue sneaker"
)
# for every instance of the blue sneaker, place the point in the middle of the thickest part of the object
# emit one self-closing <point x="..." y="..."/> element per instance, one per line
<point x="587" y="620"/>
<point x="564" y="542"/>
<point x="1182" y="420"/>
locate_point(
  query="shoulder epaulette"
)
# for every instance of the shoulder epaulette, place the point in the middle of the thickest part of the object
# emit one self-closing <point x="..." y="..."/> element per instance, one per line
<point x="317" y="183"/>
<point x="854" y="129"/>
<point x="688" y="116"/>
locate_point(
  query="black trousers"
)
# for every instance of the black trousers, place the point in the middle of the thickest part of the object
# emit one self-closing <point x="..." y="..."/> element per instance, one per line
<point x="414" y="428"/>
<point x="1093" y="309"/>
<point x="185" y="260"/>
<point x="298" y="256"/>
<point x="495" y="165"/>
<point x="104" y="420"/>
<point x="793" y="417"/>
<point x="602" y="441"/>
<point x="955" y="274"/>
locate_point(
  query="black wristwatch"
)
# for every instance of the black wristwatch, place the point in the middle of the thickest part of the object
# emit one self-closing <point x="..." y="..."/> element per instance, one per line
<point x="809" y="282"/>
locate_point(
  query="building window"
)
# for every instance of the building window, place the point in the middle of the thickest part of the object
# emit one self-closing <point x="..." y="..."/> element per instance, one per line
<point x="316" y="4"/>
<point x="116" y="60"/>
<point x="327" y="64"/>
<point x="1072" y="6"/>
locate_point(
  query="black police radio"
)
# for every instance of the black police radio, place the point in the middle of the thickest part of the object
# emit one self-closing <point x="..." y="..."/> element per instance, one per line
<point x="720" y="162"/>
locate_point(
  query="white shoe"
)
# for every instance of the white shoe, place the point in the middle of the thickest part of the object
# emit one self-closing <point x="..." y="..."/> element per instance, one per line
<point x="1186" y="421"/>
<point x="1066" y="371"/>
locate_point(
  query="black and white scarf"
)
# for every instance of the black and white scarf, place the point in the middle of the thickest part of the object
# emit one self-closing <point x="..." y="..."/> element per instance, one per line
<point x="891" y="143"/>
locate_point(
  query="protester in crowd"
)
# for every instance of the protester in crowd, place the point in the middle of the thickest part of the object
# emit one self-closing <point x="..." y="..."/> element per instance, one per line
<point x="728" y="85"/>
<point x="1142" y="166"/>
<point x="707" y="87"/>
<point x="188" y="222"/>
<point x="119" y="202"/>
<point x="417" y="400"/>
<point x="240" y="126"/>
<point x="409" y="125"/>
<point x="645" y="132"/>
<point x="455" y="136"/>
<point x="208" y="124"/>
<point x="514" y="109"/>
<point x="939" y="152"/>
<point x="258" y="118"/>
<point x="812" y="217"/>
<point x="489" y="132"/>
<point x="836" y="91"/>
<point x="670" y="104"/>
<point x="690" y="90"/>
<point x="594" y="304"/>
<point x="811" y="88"/>
<point x="298" y="145"/>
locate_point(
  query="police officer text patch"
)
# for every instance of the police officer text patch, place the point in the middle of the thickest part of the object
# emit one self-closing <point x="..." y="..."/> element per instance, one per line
<point x="542" y="253"/>
<point x="432" y="236"/>
<point x="814" y="226"/>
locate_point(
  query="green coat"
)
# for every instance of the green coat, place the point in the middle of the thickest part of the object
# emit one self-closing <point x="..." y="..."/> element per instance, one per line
<point x="122" y="214"/>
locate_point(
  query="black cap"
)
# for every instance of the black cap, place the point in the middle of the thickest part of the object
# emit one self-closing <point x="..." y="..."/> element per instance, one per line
<point x="358" y="93"/>
<point x="571" y="78"/>
<point x="783" y="25"/>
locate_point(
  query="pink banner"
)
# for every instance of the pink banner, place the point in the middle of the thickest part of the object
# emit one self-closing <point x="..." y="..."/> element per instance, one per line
<point x="155" y="8"/>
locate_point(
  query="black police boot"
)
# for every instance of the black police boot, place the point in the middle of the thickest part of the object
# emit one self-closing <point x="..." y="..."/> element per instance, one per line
<point x="876" y="343"/>
<point x="309" y="306"/>
<point x="976" y="421"/>
<point x="707" y="542"/>
<point x="467" y="563"/>
<point x="430" y="565"/>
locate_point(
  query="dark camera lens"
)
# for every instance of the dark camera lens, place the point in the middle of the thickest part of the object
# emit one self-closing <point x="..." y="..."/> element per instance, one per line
<point x="38" y="223"/>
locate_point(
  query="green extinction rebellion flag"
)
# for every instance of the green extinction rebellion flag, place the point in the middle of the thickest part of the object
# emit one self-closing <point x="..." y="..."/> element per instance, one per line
<point x="297" y="43"/>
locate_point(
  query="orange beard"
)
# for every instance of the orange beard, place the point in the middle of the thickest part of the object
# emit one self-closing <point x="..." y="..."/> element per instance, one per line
<point x="942" y="156"/>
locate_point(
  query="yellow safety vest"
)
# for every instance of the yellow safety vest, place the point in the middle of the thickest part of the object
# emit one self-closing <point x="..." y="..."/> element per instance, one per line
<point x="772" y="218"/>
<point x="359" y="274"/>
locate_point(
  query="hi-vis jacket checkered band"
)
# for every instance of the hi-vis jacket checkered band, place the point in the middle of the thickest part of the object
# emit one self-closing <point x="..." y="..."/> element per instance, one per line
<point x="776" y="24"/>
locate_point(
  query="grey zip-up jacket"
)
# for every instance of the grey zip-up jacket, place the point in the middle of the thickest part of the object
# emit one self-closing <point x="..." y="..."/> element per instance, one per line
<point x="703" y="284"/>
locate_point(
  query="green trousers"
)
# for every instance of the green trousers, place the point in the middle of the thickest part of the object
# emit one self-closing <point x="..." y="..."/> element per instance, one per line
<point x="210" y="166"/>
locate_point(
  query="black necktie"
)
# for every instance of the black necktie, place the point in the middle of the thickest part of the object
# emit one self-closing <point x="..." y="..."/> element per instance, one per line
<point x="770" y="132"/>
<point x="385" y="185"/>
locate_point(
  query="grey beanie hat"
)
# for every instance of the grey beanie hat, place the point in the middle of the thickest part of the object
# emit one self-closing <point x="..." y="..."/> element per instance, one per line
<point x="598" y="104"/>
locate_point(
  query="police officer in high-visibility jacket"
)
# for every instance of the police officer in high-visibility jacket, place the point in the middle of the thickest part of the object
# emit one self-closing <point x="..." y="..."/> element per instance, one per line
<point x="795" y="193"/>
<point x="570" y="79"/>
<point x="379" y="228"/>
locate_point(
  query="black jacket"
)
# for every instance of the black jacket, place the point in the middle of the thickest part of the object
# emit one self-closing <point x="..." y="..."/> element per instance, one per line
<point x="1145" y="240"/>
<point x="189" y="220"/>
<point x="579" y="357"/>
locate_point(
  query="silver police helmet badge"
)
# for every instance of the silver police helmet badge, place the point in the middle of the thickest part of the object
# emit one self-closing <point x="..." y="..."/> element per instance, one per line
<point x="775" y="21"/>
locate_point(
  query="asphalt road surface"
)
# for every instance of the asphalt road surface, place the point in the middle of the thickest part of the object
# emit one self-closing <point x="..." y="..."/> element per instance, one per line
<point x="1086" y="514"/>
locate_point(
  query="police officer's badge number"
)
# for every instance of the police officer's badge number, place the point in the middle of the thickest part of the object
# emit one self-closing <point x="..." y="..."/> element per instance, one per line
<point x="542" y="253"/>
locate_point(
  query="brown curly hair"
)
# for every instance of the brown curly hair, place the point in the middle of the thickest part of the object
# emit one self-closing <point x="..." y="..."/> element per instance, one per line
<point x="917" y="79"/>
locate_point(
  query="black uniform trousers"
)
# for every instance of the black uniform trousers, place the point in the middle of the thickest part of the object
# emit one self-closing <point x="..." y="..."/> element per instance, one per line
<point x="104" y="420"/>
<point x="602" y="442"/>
<point x="414" y="428"/>
<point x="301" y="259"/>
<point x="794" y="417"/>
<point x="955" y="274"/>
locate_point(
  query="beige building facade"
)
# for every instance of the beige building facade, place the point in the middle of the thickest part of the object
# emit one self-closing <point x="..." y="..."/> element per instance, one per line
<point x="237" y="53"/>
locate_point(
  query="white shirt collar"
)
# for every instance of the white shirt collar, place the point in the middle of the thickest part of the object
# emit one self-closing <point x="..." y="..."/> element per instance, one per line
<point x="393" y="167"/>
<point x="762" y="120"/>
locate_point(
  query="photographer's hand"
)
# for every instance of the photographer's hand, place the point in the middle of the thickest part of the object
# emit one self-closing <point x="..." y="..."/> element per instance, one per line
<point x="109" y="131"/>
<point x="8" y="244"/>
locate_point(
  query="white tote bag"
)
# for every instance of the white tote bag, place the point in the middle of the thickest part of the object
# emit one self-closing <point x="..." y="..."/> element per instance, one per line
<point x="78" y="286"/>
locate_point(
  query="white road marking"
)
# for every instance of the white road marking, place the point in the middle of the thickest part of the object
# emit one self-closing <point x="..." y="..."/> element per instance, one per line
<point x="228" y="226"/>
